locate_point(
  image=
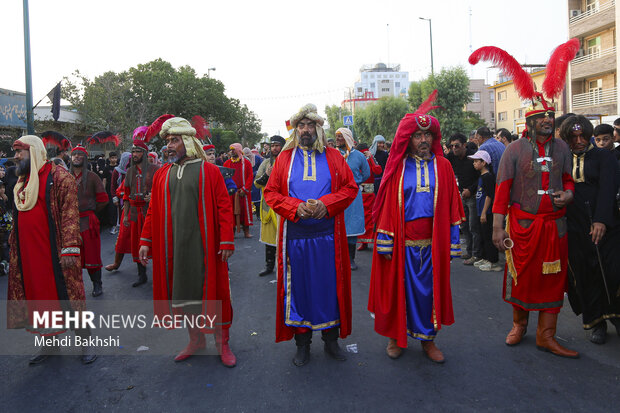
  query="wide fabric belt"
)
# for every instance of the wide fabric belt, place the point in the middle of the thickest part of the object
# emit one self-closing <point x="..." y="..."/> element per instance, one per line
<point x="368" y="188"/>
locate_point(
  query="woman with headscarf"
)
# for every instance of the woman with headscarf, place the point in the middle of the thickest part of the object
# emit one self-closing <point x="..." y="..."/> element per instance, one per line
<point x="379" y="151"/>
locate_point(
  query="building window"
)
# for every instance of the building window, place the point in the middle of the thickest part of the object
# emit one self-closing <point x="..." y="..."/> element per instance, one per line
<point x="372" y="85"/>
<point x="385" y="81"/>
<point x="397" y="84"/>
<point x="502" y="115"/>
<point x="491" y="96"/>
<point x="502" y="95"/>
<point x="492" y="116"/>
<point x="391" y="76"/>
<point x="594" y="45"/>
<point x="475" y="97"/>
<point x="359" y="89"/>
<point x="372" y="76"/>
<point x="385" y="89"/>
<point x="592" y="5"/>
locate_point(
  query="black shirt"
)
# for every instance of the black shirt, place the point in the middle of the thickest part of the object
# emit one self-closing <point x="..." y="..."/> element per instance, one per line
<point x="465" y="172"/>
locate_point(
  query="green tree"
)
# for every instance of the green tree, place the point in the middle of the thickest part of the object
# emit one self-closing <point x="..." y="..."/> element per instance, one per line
<point x="335" y="116"/>
<point x="472" y="121"/>
<point x="120" y="102"/>
<point x="379" y="118"/>
<point x="452" y="86"/>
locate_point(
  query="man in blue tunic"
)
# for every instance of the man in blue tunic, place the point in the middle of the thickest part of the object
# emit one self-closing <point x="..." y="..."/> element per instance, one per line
<point x="354" y="214"/>
<point x="310" y="186"/>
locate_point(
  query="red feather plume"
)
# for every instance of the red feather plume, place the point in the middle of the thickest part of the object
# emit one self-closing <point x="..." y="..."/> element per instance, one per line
<point x="103" y="137"/>
<point x="155" y="127"/>
<point x="427" y="105"/>
<point x="555" y="78"/>
<point x="524" y="84"/>
<point x="57" y="139"/>
<point x="202" y="127"/>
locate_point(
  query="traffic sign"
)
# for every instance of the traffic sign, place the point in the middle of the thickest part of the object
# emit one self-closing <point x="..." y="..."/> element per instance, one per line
<point x="348" y="120"/>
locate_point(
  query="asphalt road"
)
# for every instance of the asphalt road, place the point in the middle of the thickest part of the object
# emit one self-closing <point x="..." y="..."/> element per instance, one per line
<point x="481" y="373"/>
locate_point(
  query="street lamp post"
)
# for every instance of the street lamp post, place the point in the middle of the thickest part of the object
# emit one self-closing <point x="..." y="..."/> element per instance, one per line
<point x="430" y="29"/>
<point x="29" y="109"/>
<point x="209" y="71"/>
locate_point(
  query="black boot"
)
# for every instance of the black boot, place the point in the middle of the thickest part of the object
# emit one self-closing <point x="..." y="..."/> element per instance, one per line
<point x="141" y="276"/>
<point x="302" y="356"/>
<point x="599" y="333"/>
<point x="270" y="260"/>
<point x="95" y="277"/>
<point x="331" y="347"/>
<point x="352" y="256"/>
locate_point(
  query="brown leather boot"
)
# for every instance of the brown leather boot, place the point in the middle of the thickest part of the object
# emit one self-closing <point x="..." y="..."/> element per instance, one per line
<point x="519" y="326"/>
<point x="432" y="352"/>
<point x="392" y="350"/>
<point x="545" y="336"/>
<point x="196" y="342"/>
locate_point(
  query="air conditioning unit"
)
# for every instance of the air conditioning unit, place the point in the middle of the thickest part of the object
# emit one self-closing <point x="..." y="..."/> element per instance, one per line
<point x="574" y="13"/>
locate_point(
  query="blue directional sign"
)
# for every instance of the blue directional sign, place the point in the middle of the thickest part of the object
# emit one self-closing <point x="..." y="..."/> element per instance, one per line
<point x="348" y="120"/>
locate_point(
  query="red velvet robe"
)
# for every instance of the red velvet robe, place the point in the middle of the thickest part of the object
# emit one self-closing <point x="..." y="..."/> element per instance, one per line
<point x="387" y="283"/>
<point x="243" y="178"/>
<point x="216" y="229"/>
<point x="344" y="191"/>
<point x="369" y="203"/>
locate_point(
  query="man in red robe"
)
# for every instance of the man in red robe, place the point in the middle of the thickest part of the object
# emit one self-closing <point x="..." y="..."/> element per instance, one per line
<point x="92" y="198"/>
<point x="309" y="188"/>
<point x="138" y="182"/>
<point x="189" y="228"/>
<point x="242" y="199"/>
<point x="534" y="185"/>
<point x="45" y="244"/>
<point x="368" y="196"/>
<point x="418" y="211"/>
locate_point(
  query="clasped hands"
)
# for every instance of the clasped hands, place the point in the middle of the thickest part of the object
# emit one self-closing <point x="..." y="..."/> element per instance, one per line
<point x="305" y="211"/>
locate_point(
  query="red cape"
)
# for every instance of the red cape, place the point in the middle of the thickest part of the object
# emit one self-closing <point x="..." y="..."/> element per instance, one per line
<point x="387" y="281"/>
<point x="344" y="191"/>
<point x="215" y="219"/>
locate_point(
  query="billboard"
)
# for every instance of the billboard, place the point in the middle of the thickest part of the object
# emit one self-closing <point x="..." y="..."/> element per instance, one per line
<point x="12" y="109"/>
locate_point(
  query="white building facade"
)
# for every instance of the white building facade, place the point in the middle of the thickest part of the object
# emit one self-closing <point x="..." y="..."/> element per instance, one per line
<point x="381" y="80"/>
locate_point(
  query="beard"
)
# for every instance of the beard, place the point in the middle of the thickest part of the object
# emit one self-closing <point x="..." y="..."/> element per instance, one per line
<point x="307" y="140"/>
<point x="23" y="167"/>
<point x="77" y="164"/>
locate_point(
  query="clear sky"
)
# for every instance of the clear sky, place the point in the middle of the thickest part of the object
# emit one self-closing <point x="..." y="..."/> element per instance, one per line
<point x="273" y="55"/>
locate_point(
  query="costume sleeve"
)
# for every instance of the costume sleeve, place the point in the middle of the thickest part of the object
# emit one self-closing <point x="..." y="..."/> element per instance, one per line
<point x="505" y="176"/>
<point x="249" y="177"/>
<point x="224" y="211"/>
<point x="261" y="176"/>
<point x="285" y="206"/>
<point x="457" y="214"/>
<point x="101" y="196"/>
<point x="385" y="243"/>
<point x="605" y="200"/>
<point x="337" y="202"/>
<point x="126" y="187"/>
<point x="364" y="167"/>
<point x="231" y="185"/>
<point x="67" y="201"/>
<point x="375" y="168"/>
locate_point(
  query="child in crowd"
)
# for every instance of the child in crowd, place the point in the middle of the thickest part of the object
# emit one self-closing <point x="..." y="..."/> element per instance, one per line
<point x="484" y="203"/>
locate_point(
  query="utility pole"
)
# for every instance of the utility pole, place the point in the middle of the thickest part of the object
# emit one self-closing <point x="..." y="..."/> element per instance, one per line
<point x="430" y="28"/>
<point x="29" y="108"/>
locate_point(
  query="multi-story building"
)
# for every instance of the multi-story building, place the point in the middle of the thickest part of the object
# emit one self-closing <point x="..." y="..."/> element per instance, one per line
<point x="376" y="82"/>
<point x="510" y="109"/>
<point x="482" y="101"/>
<point x="593" y="74"/>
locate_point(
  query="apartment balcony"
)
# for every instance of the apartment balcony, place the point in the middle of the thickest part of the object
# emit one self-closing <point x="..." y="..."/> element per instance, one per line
<point x="594" y="64"/>
<point x="600" y="102"/>
<point x="591" y="21"/>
